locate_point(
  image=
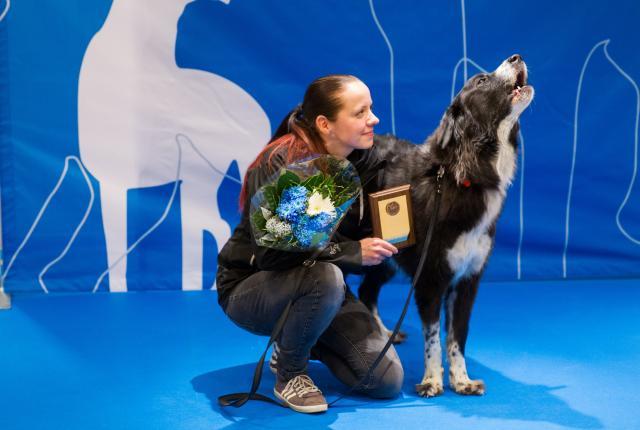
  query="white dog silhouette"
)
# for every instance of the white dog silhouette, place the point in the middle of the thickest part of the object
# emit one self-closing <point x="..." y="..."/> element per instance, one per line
<point x="132" y="102"/>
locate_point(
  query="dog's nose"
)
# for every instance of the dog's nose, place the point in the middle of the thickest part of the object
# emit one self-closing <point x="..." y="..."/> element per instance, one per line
<point x="515" y="58"/>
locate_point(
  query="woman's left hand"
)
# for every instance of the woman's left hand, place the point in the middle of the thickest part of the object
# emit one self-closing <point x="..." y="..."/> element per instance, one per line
<point x="376" y="250"/>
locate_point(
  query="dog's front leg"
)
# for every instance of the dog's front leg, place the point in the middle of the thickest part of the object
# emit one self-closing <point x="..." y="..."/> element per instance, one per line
<point x="432" y="384"/>
<point x="429" y="308"/>
<point x="459" y="302"/>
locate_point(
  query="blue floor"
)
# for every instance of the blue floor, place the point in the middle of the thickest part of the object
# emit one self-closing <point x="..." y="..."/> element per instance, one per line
<point x="554" y="355"/>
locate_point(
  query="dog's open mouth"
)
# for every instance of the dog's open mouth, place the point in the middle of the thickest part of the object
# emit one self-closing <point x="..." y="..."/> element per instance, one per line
<point x="521" y="81"/>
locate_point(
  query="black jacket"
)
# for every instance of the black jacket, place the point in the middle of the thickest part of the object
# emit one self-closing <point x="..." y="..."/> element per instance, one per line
<point x="241" y="256"/>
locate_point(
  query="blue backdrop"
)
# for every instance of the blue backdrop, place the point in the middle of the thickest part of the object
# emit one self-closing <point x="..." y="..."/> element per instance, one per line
<point x="573" y="210"/>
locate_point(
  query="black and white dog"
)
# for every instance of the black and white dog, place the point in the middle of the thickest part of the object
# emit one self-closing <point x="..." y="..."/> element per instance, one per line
<point x="476" y="143"/>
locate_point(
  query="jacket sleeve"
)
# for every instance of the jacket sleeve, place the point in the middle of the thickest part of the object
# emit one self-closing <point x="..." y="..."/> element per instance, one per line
<point x="346" y="254"/>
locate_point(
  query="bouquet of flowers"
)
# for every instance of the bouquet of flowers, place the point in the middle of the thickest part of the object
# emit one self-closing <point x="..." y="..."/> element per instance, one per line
<point x="302" y="205"/>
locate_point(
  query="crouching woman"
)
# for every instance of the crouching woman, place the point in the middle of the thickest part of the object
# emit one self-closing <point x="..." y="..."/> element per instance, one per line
<point x="255" y="283"/>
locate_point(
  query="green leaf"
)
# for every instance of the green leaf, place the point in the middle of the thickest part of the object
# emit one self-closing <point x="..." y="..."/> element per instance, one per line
<point x="258" y="220"/>
<point x="330" y="183"/>
<point x="271" y="197"/>
<point x="286" y="180"/>
<point x="313" y="182"/>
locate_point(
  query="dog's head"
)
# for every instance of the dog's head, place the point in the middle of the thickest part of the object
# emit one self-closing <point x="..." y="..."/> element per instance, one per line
<point x="485" y="111"/>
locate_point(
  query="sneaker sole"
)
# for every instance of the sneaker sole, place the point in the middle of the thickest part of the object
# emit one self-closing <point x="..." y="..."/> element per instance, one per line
<point x="304" y="409"/>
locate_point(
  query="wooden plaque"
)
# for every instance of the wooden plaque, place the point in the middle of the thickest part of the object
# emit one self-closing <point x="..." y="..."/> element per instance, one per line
<point x="392" y="217"/>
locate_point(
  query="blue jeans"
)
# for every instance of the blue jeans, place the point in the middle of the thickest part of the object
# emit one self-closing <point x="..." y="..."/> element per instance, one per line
<point x="325" y="320"/>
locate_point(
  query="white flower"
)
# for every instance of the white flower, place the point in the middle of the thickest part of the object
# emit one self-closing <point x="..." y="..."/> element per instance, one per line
<point x="319" y="204"/>
<point x="278" y="228"/>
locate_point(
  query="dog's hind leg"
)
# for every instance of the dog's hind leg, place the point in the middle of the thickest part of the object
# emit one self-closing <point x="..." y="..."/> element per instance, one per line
<point x="373" y="280"/>
<point x="428" y="299"/>
<point x="459" y="302"/>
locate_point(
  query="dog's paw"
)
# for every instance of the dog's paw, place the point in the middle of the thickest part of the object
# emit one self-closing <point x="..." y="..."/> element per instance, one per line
<point x="400" y="337"/>
<point x="468" y="387"/>
<point x="430" y="388"/>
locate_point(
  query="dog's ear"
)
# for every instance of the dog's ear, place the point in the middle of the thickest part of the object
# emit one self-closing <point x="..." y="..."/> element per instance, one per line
<point x="447" y="123"/>
<point x="445" y="131"/>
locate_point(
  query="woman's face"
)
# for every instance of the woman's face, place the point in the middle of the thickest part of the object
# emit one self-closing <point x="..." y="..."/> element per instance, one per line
<point x="353" y="126"/>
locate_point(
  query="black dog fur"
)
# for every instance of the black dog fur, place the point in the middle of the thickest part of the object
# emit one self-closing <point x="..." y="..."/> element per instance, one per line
<point x="476" y="142"/>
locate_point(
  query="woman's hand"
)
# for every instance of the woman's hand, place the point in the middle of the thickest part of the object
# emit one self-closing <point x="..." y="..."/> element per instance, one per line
<point x="375" y="250"/>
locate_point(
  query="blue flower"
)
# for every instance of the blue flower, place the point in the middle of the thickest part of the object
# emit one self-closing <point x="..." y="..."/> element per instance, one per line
<point x="293" y="203"/>
<point x="321" y="221"/>
<point x="308" y="226"/>
<point x="303" y="231"/>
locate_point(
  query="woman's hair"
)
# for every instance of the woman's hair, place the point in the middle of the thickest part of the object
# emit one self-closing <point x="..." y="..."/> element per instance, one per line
<point x="297" y="136"/>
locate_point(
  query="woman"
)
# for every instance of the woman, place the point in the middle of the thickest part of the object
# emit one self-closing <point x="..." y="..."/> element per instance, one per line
<point x="255" y="283"/>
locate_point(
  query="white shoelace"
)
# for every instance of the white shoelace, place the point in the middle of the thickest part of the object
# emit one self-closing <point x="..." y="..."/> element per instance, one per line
<point x="300" y="385"/>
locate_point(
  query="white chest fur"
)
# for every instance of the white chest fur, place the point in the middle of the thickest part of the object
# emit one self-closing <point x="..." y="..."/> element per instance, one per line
<point x="469" y="253"/>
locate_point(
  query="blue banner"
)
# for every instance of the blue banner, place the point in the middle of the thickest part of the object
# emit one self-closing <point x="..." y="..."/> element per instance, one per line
<point x="126" y="125"/>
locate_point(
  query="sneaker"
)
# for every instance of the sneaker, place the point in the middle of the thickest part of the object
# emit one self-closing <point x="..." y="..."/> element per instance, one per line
<point x="300" y="394"/>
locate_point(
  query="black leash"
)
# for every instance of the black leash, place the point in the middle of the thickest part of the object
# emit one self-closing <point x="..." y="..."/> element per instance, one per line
<point x="416" y="277"/>
<point x="239" y="399"/>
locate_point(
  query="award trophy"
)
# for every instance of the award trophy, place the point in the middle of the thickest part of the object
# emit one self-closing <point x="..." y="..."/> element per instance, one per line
<point x="392" y="217"/>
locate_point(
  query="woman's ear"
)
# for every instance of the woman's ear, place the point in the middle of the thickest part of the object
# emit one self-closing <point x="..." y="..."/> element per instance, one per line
<point x="323" y="125"/>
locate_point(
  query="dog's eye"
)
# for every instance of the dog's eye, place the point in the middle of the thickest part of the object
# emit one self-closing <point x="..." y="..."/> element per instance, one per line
<point x="481" y="80"/>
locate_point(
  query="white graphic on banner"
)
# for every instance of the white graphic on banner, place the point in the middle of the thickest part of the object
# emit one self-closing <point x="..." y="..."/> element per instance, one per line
<point x="133" y="100"/>
<point x="391" y="66"/>
<point x="180" y="140"/>
<point x="634" y="240"/>
<point x="635" y="148"/>
<point x="5" y="10"/>
<point x="41" y="212"/>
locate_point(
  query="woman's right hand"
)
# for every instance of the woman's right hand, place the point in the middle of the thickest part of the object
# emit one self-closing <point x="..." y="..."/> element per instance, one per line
<point x="375" y="250"/>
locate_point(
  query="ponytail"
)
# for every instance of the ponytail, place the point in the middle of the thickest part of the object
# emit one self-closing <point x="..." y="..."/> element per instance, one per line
<point x="285" y="124"/>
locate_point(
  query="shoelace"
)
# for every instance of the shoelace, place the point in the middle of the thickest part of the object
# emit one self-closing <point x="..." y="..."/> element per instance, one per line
<point x="302" y="385"/>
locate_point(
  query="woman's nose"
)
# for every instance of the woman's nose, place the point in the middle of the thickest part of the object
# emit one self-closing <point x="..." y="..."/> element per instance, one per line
<point x="373" y="119"/>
